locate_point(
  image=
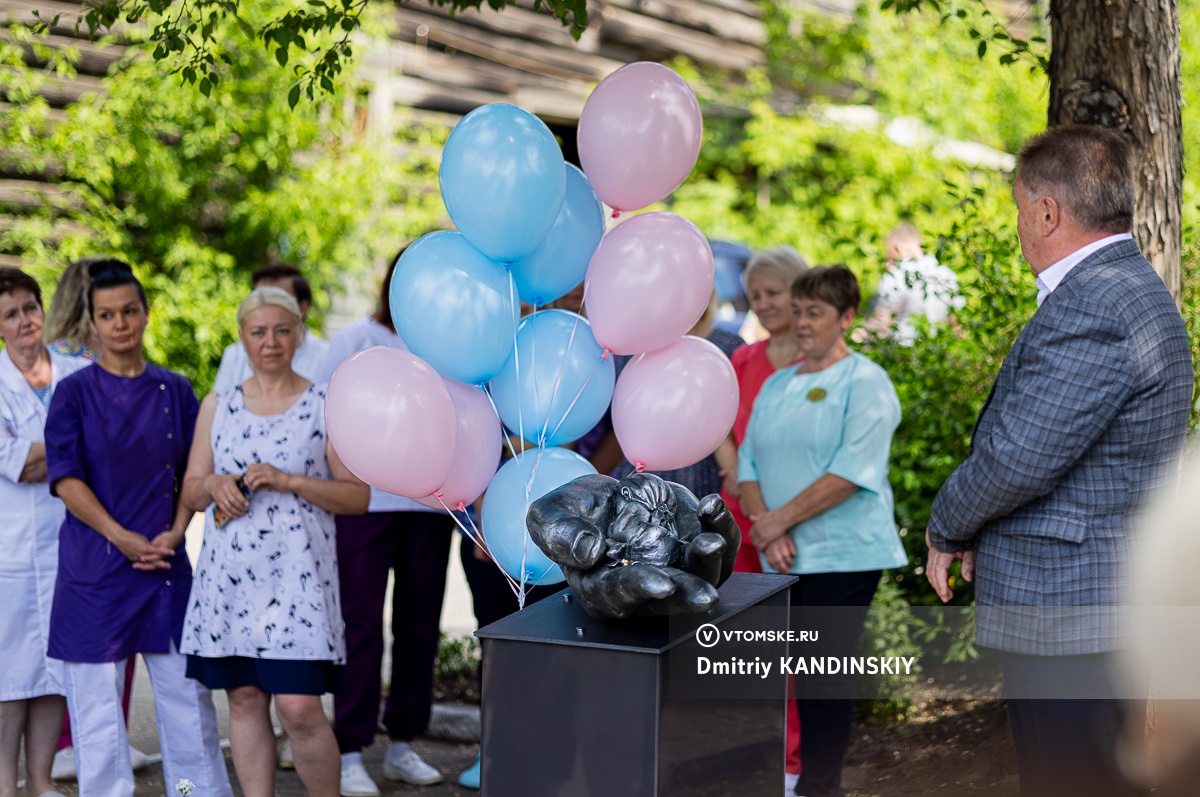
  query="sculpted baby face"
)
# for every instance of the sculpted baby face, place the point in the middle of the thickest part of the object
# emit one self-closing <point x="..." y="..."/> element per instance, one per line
<point x="647" y="499"/>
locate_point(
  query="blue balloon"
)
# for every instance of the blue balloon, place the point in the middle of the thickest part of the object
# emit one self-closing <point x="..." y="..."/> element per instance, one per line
<point x="503" y="180"/>
<point x="524" y="479"/>
<point x="560" y="262"/>
<point x="555" y="381"/>
<point x="454" y="308"/>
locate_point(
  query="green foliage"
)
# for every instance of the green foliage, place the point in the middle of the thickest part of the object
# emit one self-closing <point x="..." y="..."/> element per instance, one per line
<point x="833" y="190"/>
<point x="196" y="191"/>
<point x="890" y="631"/>
<point x="457" y="658"/>
<point x="984" y="27"/>
<point x="830" y="190"/>
<point x="189" y="36"/>
<point x="944" y="377"/>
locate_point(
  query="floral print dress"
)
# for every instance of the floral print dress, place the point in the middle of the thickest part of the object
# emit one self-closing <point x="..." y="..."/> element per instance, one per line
<point x="266" y="583"/>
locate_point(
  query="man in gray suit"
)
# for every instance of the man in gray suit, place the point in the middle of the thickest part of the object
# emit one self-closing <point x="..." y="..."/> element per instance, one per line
<point x="1086" y="418"/>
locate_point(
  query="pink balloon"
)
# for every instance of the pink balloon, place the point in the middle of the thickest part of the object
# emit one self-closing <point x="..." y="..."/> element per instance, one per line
<point x="639" y="135"/>
<point x="476" y="451"/>
<point x="648" y="283"/>
<point x="673" y="407"/>
<point x="391" y="420"/>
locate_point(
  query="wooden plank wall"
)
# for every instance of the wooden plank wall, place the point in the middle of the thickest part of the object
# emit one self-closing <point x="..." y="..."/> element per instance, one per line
<point x="451" y="64"/>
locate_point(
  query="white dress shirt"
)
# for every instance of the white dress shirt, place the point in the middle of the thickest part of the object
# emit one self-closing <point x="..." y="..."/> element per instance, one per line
<point x="1050" y="278"/>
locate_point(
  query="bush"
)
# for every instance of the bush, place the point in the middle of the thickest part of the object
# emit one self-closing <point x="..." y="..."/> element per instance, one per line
<point x="944" y="377"/>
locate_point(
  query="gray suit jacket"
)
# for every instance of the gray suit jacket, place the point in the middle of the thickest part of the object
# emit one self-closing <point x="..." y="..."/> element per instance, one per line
<point x="1085" y="419"/>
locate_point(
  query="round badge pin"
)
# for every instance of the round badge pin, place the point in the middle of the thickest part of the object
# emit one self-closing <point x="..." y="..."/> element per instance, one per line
<point x="816" y="394"/>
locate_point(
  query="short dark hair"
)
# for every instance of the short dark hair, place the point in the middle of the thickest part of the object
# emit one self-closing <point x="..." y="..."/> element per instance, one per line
<point x="383" y="314"/>
<point x="279" y="271"/>
<point x="113" y="278"/>
<point x="835" y="285"/>
<point x="98" y="265"/>
<point x="1088" y="170"/>
<point x="14" y="279"/>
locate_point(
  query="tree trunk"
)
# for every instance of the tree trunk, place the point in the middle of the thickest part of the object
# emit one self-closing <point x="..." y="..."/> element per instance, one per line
<point x="1116" y="64"/>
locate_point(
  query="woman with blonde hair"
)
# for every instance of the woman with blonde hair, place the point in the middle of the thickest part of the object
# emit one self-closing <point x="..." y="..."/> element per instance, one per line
<point x="68" y="331"/>
<point x="768" y="279"/>
<point x="264" y="617"/>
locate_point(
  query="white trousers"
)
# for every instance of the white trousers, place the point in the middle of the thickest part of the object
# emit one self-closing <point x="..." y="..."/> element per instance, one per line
<point x="187" y="728"/>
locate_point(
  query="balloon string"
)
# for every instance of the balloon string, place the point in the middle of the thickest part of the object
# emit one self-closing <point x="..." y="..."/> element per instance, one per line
<point x="476" y="536"/>
<point x="578" y="395"/>
<point x="537" y="463"/>
<point x="558" y="382"/>
<point x="512" y="295"/>
<point x="507" y="438"/>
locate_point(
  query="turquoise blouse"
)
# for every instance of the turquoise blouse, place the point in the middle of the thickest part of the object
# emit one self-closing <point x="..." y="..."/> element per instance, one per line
<point x="840" y="421"/>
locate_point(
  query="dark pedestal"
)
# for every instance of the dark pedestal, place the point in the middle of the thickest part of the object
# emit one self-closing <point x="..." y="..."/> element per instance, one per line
<point x="590" y="714"/>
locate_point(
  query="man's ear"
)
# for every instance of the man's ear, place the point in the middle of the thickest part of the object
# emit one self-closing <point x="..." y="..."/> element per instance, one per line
<point x="1049" y="214"/>
<point x="304" y="306"/>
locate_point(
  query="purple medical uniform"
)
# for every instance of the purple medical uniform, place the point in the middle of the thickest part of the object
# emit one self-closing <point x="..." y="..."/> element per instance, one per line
<point x="127" y="438"/>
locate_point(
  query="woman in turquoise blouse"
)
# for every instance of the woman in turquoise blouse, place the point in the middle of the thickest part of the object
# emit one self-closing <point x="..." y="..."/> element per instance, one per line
<point x="813" y="470"/>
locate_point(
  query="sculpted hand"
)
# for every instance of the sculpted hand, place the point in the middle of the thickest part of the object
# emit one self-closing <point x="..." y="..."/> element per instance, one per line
<point x="225" y="492"/>
<point x="937" y="569"/>
<point x="571" y="526"/>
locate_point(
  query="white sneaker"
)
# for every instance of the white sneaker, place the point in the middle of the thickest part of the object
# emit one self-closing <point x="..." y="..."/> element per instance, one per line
<point x="356" y="782"/>
<point x="138" y="759"/>
<point x="63" y="767"/>
<point x="403" y="763"/>
<point x="789" y="784"/>
<point x="286" y="759"/>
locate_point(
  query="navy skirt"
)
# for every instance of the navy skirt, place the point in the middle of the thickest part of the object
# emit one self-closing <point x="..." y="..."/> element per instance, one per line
<point x="273" y="676"/>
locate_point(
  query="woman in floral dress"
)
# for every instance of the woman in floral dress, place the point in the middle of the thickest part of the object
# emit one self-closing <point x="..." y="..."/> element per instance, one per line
<point x="264" y="616"/>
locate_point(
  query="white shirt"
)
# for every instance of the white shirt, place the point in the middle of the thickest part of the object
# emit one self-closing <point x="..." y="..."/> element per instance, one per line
<point x="235" y="364"/>
<point x="363" y="334"/>
<point x="1050" y="278"/>
<point x="918" y="286"/>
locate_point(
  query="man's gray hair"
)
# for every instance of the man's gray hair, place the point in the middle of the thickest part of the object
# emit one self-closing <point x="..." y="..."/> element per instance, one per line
<point x="1088" y="170"/>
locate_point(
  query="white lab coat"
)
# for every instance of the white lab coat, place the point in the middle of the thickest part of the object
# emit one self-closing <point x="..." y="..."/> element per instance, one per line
<point x="29" y="521"/>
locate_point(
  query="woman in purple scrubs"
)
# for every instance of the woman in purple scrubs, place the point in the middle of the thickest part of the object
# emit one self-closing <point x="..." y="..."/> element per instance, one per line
<point x="117" y="439"/>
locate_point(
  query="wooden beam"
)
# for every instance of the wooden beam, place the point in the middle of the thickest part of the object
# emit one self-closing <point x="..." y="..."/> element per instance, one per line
<point x="662" y="39"/>
<point x="59" y="91"/>
<point x="94" y="58"/>
<point x="30" y="195"/>
<point x="541" y="59"/>
<point x="711" y="19"/>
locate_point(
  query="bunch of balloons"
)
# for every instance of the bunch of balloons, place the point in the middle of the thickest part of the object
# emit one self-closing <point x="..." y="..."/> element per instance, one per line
<point x="426" y="423"/>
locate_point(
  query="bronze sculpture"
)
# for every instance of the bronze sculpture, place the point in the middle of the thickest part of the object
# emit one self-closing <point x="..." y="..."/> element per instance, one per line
<point x="638" y="547"/>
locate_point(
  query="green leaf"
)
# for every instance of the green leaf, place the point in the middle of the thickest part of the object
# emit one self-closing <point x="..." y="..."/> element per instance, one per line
<point x="982" y="50"/>
<point x="205" y="87"/>
<point x="294" y="96"/>
<point x="281" y="55"/>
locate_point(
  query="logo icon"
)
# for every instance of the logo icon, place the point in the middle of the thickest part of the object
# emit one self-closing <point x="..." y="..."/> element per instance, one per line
<point x="708" y="635"/>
